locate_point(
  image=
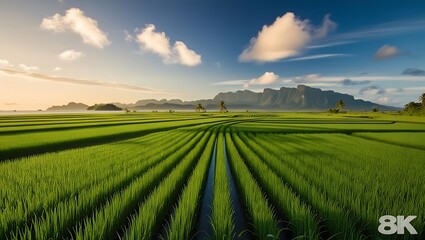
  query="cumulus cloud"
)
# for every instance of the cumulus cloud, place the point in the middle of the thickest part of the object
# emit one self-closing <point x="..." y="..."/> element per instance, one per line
<point x="45" y="77"/>
<point x="70" y="55"/>
<point x="349" y="82"/>
<point x="186" y="56"/>
<point x="372" y="90"/>
<point x="284" y="38"/>
<point x="386" y="52"/>
<point x="159" y="43"/>
<point x="414" y="72"/>
<point x="156" y="42"/>
<point x="4" y="62"/>
<point x="28" y="68"/>
<point x="266" y="79"/>
<point x="56" y="69"/>
<point x="74" y="20"/>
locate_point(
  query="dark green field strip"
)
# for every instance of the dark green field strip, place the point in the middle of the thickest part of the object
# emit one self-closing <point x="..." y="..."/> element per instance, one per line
<point x="59" y="121"/>
<point x="183" y="221"/>
<point x="338" y="222"/>
<point x="406" y="139"/>
<point x="123" y="172"/>
<point x="260" y="212"/>
<point x="154" y="202"/>
<point x="222" y="219"/>
<point x="327" y="128"/>
<point x="42" y="117"/>
<point x="65" y="217"/>
<point x="31" y="129"/>
<point x="22" y="145"/>
<point x="11" y="128"/>
<point x="358" y="180"/>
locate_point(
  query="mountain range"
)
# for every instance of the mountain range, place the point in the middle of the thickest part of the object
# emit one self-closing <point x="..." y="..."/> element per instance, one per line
<point x="301" y="98"/>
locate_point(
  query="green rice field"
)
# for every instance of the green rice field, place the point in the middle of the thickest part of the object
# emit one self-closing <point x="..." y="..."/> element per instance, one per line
<point x="210" y="175"/>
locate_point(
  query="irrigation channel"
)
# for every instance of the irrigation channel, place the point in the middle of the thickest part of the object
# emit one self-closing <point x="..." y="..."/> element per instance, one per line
<point x="205" y="230"/>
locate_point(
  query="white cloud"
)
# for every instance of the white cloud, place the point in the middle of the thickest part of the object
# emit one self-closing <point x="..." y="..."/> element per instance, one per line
<point x="286" y="37"/>
<point x="159" y="43"/>
<point x="28" y="68"/>
<point x="266" y="78"/>
<point x="156" y="42"/>
<point x="382" y="100"/>
<point x="56" y="69"/>
<point x="70" y="55"/>
<point x="4" y="62"/>
<point x="386" y="52"/>
<point x="76" y="21"/>
<point x="186" y="56"/>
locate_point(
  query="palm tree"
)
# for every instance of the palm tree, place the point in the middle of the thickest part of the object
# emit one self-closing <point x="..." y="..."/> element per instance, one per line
<point x="199" y="108"/>
<point x="340" y="105"/>
<point x="422" y="99"/>
<point x="222" y="107"/>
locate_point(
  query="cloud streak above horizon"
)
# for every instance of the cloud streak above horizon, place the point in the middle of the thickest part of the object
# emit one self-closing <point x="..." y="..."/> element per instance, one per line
<point x="45" y="77"/>
<point x="319" y="56"/>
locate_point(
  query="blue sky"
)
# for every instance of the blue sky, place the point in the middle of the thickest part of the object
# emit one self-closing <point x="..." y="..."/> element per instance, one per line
<point x="53" y="52"/>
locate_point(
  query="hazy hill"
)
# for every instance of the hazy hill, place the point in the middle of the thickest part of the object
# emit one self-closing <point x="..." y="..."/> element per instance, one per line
<point x="104" y="107"/>
<point x="72" y="106"/>
<point x="284" y="99"/>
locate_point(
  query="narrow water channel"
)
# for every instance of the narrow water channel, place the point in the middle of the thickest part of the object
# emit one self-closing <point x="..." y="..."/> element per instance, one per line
<point x="204" y="230"/>
<point x="239" y="217"/>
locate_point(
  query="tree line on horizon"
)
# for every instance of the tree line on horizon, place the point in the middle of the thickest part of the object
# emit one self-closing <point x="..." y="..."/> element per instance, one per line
<point x="413" y="107"/>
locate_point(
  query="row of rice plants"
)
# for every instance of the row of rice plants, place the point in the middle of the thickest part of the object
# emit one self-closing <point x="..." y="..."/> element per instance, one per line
<point x="151" y="212"/>
<point x="24" y="144"/>
<point x="337" y="220"/>
<point x="34" y="185"/>
<point x="358" y="180"/>
<point x="222" y="211"/>
<point x="301" y="219"/>
<point x="261" y="213"/>
<point x="183" y="220"/>
<point x="59" y="220"/>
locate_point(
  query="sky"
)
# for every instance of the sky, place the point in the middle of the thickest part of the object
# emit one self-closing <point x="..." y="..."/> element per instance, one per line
<point x="57" y="51"/>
